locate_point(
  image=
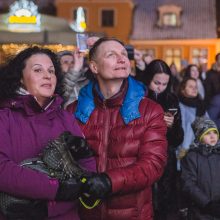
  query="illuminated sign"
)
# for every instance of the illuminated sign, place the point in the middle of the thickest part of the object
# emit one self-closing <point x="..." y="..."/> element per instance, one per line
<point x="79" y="25"/>
<point x="24" y="12"/>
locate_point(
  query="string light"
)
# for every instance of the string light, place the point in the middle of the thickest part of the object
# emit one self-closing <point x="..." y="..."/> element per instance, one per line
<point x="8" y="50"/>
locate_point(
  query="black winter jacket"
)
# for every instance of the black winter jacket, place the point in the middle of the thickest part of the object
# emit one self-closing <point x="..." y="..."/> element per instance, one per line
<point x="201" y="179"/>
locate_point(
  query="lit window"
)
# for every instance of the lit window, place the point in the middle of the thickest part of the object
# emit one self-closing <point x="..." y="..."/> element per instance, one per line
<point x="199" y="55"/>
<point x="173" y="55"/>
<point x="107" y="18"/>
<point x="169" y="16"/>
<point x="169" y="19"/>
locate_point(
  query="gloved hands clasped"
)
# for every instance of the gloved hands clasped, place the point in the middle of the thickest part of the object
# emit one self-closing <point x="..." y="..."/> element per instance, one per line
<point x="58" y="161"/>
<point x="98" y="186"/>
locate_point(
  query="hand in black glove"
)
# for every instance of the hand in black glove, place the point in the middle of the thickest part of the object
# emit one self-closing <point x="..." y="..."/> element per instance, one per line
<point x="78" y="147"/>
<point x="98" y="186"/>
<point x="26" y="210"/>
<point x="69" y="190"/>
<point x="213" y="208"/>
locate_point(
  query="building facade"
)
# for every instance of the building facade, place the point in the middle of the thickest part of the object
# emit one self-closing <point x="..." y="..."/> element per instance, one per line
<point x="177" y="31"/>
<point x="110" y="17"/>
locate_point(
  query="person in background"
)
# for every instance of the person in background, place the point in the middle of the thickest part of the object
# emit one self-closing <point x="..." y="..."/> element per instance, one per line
<point x="140" y="65"/>
<point x="148" y="58"/>
<point x="66" y="60"/>
<point x="212" y="81"/>
<point x="203" y="68"/>
<point x="200" y="171"/>
<point x="175" y="78"/>
<point x="158" y="81"/>
<point x="191" y="106"/>
<point x="127" y="132"/>
<point x="141" y="62"/>
<point x="75" y="78"/>
<point x="192" y="70"/>
<point x="30" y="117"/>
<point x="214" y="109"/>
<point x="78" y="74"/>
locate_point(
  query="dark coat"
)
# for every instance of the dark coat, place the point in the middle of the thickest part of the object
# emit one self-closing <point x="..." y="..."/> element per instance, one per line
<point x="164" y="192"/>
<point x="212" y="85"/>
<point x="200" y="178"/>
<point x="214" y="109"/>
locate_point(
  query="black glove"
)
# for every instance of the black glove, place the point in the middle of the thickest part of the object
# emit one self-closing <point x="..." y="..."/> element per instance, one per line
<point x="26" y="210"/>
<point x="213" y="208"/>
<point x="98" y="186"/>
<point x="58" y="157"/>
<point x="69" y="190"/>
<point x="78" y="147"/>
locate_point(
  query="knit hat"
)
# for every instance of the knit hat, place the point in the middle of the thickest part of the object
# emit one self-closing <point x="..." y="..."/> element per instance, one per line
<point x="201" y="126"/>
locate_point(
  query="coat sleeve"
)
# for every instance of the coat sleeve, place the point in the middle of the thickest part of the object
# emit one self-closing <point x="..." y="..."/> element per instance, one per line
<point x="151" y="157"/>
<point x="70" y="84"/>
<point x="17" y="180"/>
<point x="189" y="178"/>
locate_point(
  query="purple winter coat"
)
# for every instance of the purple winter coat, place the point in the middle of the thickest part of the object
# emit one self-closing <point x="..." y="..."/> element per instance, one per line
<point x="25" y="129"/>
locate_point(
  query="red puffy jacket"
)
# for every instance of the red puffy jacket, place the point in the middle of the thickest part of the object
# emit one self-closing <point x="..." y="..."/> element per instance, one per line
<point x="133" y="155"/>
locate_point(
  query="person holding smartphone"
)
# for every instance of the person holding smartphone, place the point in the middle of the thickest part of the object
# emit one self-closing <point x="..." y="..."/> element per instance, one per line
<point x="158" y="81"/>
<point x="78" y="74"/>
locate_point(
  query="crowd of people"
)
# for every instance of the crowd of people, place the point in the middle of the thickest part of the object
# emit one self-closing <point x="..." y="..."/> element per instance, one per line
<point x="89" y="137"/>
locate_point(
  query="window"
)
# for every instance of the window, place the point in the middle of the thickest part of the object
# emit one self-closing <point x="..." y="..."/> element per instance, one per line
<point x="169" y="19"/>
<point x="107" y="18"/>
<point x="169" y="16"/>
<point x="199" y="55"/>
<point x="173" y="55"/>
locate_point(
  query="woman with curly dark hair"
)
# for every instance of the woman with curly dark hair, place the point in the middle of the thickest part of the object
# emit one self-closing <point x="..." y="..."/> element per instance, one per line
<point x="11" y="80"/>
<point x="30" y="117"/>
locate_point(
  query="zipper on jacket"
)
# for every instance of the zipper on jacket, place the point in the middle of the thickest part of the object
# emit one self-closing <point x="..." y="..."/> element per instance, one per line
<point x="105" y="149"/>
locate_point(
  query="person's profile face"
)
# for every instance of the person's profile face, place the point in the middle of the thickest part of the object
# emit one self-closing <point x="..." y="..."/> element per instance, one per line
<point x="111" y="61"/>
<point x="211" y="138"/>
<point x="159" y="82"/>
<point x="39" y="77"/>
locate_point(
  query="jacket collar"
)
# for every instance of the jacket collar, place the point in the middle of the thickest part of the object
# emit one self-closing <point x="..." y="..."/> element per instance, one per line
<point x="29" y="104"/>
<point x="129" y="109"/>
<point x="205" y="149"/>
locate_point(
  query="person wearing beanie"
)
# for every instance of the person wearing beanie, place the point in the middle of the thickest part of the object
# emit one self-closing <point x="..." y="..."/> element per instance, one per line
<point x="66" y="60"/>
<point x="200" y="171"/>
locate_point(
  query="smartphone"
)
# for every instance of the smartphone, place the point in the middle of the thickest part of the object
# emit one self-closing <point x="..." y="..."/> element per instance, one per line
<point x="81" y="39"/>
<point x="173" y="111"/>
<point x="130" y="51"/>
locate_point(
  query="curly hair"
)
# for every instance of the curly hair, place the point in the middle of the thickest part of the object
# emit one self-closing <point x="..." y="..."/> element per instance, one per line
<point x="11" y="72"/>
